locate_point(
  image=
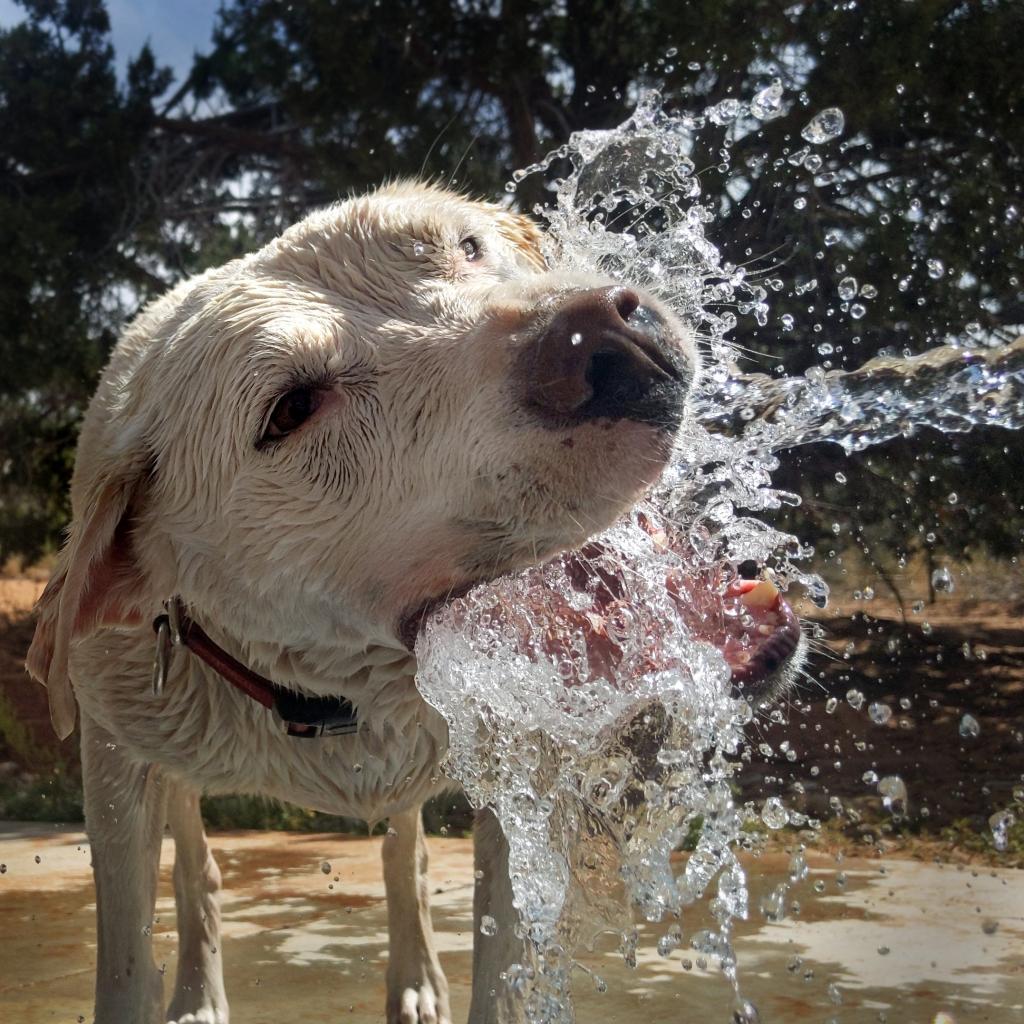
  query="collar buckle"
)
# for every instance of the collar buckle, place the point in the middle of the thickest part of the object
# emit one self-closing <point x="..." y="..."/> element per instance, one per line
<point x="168" y="636"/>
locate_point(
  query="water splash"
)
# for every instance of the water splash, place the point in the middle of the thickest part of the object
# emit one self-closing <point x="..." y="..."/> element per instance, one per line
<point x="595" y="719"/>
<point x="598" y="738"/>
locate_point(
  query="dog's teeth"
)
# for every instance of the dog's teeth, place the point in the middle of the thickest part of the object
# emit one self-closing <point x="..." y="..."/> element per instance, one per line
<point x="765" y="630"/>
<point x="764" y="595"/>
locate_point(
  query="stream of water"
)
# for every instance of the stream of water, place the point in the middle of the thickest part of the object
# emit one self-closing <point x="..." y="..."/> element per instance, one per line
<point x="586" y="706"/>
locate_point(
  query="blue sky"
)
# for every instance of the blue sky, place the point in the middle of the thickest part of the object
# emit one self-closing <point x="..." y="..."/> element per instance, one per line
<point x="175" y="29"/>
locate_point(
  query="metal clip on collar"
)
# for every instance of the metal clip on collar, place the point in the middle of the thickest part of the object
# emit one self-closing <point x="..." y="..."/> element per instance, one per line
<point x="168" y="636"/>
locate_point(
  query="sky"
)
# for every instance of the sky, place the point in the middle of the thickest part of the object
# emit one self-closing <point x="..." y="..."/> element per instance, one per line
<point x="175" y="29"/>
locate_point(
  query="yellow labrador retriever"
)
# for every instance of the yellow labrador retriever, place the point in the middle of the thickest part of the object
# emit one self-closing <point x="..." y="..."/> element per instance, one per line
<point x="287" y="460"/>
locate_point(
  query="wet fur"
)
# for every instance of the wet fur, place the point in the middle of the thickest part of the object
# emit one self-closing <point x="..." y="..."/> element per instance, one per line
<point x="421" y="471"/>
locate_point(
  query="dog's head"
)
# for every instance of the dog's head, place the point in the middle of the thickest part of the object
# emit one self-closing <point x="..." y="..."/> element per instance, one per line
<point x="393" y="400"/>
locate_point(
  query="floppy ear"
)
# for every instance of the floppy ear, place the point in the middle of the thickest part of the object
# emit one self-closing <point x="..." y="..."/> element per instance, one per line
<point x="97" y="581"/>
<point x="524" y="234"/>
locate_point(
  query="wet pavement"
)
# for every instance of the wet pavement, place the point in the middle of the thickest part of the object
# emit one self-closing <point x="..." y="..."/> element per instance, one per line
<point x="894" y="940"/>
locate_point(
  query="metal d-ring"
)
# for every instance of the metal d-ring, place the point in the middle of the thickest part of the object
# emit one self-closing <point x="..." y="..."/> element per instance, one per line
<point x="168" y="636"/>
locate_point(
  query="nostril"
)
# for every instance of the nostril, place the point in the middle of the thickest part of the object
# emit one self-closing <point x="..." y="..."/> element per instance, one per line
<point x="625" y="300"/>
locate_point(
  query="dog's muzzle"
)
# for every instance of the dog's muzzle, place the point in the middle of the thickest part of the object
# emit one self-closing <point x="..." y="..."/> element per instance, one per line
<point x="604" y="355"/>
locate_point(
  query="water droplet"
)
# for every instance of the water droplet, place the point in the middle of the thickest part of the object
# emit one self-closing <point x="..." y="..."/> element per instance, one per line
<point x="325" y="867"/>
<point x="936" y="269"/>
<point x="773" y="904"/>
<point x="857" y="311"/>
<point x="879" y="713"/>
<point x="825" y="125"/>
<point x="725" y="112"/>
<point x="418" y="249"/>
<point x="797" y="868"/>
<point x="670" y="941"/>
<point x="855" y="699"/>
<point x="774" y="813"/>
<point x="767" y="104"/>
<point x="576" y="338"/>
<point x="488" y="926"/>
<point x="831" y="704"/>
<point x="745" y="1012"/>
<point x="893" y="791"/>
<point x="942" y="581"/>
<point x="970" y="727"/>
<point x="1001" y="823"/>
<point x="835" y="995"/>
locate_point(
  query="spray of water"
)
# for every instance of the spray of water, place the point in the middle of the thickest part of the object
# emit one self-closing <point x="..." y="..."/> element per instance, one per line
<point x="588" y="700"/>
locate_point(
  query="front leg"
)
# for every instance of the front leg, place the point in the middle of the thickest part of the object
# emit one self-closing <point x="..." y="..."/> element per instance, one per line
<point x="199" y="987"/>
<point x="124" y="818"/>
<point x="495" y="944"/>
<point x="417" y="989"/>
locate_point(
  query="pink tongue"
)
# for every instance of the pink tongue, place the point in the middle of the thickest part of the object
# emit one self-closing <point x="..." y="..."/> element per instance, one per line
<point x="764" y="631"/>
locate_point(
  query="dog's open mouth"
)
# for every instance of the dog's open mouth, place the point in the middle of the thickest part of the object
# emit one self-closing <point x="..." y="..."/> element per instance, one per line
<point x="584" y="600"/>
<point x="757" y="632"/>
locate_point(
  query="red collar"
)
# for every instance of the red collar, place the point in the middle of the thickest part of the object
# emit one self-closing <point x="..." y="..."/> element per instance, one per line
<point x="305" y="717"/>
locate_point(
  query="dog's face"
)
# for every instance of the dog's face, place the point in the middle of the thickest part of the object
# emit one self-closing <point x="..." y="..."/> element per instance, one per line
<point x="396" y="399"/>
<point x="393" y="400"/>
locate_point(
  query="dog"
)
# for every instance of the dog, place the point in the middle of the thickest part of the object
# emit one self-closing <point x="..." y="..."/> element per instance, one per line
<point x="288" y="461"/>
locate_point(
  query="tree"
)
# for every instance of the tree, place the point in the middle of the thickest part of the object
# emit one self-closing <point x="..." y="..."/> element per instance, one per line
<point x="70" y="218"/>
<point x="297" y="104"/>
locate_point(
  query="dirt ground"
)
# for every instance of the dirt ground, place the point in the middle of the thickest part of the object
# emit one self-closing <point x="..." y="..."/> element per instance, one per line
<point x="930" y="667"/>
<point x="871" y="940"/>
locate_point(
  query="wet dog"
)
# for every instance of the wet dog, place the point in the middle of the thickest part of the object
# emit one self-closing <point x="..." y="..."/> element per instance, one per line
<point x="287" y="460"/>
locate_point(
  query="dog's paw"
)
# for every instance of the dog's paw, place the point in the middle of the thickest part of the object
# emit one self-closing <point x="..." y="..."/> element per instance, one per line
<point x="207" y="1014"/>
<point x="422" y="1000"/>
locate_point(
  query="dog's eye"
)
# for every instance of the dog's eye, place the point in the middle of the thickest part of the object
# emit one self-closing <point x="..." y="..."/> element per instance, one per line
<point x="291" y="411"/>
<point x="471" y="248"/>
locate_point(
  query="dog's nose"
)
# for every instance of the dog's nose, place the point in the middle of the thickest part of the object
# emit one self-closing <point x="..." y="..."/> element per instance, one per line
<point x="605" y="355"/>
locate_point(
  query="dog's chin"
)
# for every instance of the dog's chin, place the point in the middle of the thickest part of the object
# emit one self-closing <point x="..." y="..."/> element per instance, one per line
<point x="412" y="621"/>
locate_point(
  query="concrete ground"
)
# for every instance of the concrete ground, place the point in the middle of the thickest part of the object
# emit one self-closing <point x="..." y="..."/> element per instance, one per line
<point x="900" y="941"/>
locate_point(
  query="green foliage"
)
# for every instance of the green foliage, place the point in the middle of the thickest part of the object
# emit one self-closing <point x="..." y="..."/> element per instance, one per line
<point x="57" y="797"/>
<point x="257" y="812"/>
<point x="15" y="736"/>
<point x="109" y="191"/>
<point x="965" y="834"/>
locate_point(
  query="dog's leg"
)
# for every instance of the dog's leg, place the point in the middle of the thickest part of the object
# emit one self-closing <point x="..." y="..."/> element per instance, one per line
<point x="417" y="989"/>
<point x="124" y="817"/>
<point x="199" y="987"/>
<point x="496" y="946"/>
